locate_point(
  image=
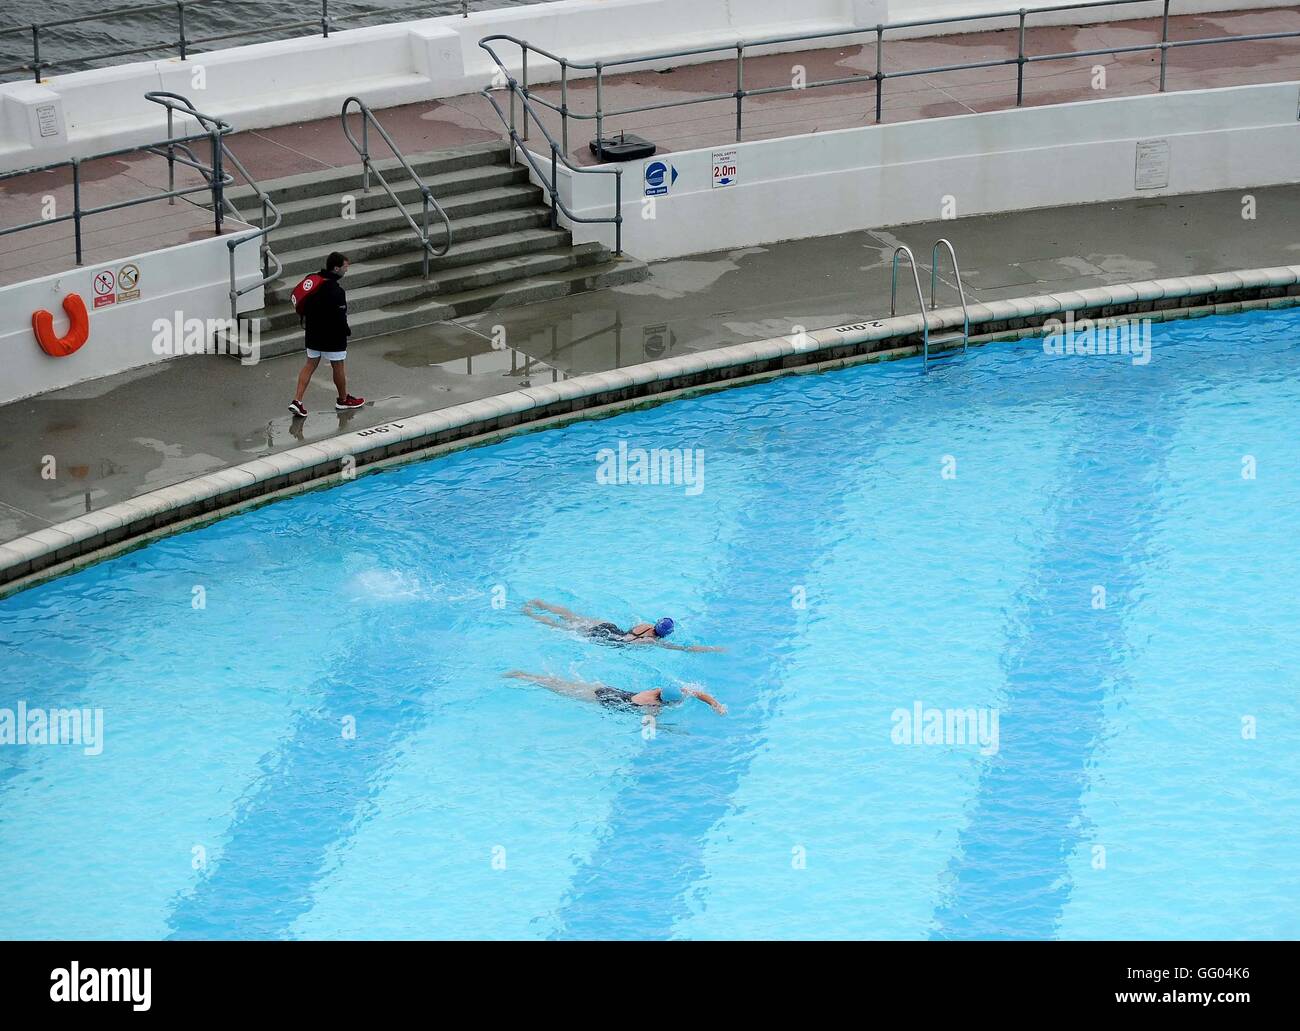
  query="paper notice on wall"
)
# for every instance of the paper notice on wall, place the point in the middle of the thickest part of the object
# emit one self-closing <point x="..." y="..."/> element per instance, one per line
<point x="47" y="120"/>
<point x="1152" y="165"/>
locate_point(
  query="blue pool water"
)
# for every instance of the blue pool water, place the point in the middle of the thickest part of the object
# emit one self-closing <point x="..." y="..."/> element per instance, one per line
<point x="1146" y="775"/>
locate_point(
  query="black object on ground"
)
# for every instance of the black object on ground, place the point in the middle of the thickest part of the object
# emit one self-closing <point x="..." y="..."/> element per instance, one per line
<point x="623" y="147"/>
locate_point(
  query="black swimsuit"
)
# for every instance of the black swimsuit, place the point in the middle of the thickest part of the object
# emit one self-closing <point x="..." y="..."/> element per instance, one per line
<point x="614" y="698"/>
<point x="612" y="633"/>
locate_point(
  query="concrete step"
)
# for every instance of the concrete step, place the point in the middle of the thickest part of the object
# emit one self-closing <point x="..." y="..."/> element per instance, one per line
<point x="329" y="234"/>
<point x="363" y="249"/>
<point x="449" y="280"/>
<point x="505" y="252"/>
<point x="407" y="262"/>
<point x="328" y="207"/>
<point x="609" y="271"/>
<point x="599" y="271"/>
<point x="346" y="178"/>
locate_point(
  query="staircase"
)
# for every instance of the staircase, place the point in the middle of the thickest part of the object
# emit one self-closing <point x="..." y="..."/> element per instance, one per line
<point x="504" y="252"/>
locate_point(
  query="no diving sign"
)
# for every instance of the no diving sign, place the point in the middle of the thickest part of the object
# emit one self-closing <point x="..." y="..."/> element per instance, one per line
<point x="128" y="282"/>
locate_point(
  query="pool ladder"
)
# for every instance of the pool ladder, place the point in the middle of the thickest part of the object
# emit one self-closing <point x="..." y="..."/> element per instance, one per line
<point x="944" y="345"/>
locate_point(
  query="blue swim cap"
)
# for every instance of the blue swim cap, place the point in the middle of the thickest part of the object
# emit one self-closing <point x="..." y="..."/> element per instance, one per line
<point x="664" y="627"/>
<point x="670" y="694"/>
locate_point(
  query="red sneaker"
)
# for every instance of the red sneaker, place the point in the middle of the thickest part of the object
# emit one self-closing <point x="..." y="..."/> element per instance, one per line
<point x="298" y="409"/>
<point x="344" y="403"/>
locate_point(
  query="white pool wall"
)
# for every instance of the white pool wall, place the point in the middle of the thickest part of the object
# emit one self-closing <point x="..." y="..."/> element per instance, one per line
<point x="1239" y="137"/>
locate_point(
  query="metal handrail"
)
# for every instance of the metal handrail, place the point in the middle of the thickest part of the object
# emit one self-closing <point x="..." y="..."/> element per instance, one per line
<point x="558" y="155"/>
<point x="920" y="297"/>
<point x="216" y="178"/>
<point x="961" y="290"/>
<point x="174" y="102"/>
<point x="880" y="75"/>
<point x="363" y="148"/>
<point x="78" y="212"/>
<point x="183" y="45"/>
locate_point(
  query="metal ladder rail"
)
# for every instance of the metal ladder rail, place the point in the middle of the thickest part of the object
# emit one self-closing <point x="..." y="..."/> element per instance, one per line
<point x="920" y="297"/>
<point x="961" y="292"/>
<point x="363" y="148"/>
<point x="271" y="217"/>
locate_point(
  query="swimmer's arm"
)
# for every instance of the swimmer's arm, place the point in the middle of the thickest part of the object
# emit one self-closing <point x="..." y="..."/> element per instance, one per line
<point x="707" y="699"/>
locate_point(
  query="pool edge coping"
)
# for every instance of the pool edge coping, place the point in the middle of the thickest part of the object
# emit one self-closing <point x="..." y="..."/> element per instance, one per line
<point x="96" y="535"/>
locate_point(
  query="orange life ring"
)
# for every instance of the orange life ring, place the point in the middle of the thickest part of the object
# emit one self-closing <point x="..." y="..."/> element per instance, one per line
<point x="78" y="328"/>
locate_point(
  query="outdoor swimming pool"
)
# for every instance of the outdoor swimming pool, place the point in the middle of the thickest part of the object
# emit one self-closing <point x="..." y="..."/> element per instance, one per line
<point x="867" y="544"/>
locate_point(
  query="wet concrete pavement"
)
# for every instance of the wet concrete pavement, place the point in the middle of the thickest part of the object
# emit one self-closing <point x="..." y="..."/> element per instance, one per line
<point x="124" y="435"/>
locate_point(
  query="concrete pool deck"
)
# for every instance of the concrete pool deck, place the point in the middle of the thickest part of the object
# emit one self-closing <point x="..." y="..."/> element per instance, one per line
<point x="119" y="437"/>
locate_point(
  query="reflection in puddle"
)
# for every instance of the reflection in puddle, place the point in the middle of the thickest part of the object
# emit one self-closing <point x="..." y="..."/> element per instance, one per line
<point x="506" y="361"/>
<point x="575" y="344"/>
<point x="682" y="277"/>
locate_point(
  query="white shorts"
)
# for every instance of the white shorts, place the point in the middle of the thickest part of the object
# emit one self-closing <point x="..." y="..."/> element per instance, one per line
<point x="333" y="356"/>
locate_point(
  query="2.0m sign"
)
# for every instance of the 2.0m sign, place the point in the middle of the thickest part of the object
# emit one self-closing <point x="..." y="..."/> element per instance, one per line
<point x="724" y="167"/>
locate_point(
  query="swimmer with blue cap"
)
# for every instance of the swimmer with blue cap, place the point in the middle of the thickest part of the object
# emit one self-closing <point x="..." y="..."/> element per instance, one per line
<point x="609" y="633"/>
<point x="619" y="700"/>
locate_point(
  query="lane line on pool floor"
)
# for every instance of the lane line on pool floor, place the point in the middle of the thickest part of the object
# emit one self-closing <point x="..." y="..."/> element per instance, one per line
<point x="1010" y="875"/>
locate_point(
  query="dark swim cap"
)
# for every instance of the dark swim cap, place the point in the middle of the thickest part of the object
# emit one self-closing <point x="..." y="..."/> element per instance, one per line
<point x="664" y="627"/>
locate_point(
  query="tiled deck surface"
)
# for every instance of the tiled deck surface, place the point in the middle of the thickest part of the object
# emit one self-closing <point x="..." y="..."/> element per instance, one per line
<point x="934" y="95"/>
<point x="291" y="149"/>
<point x="51" y="249"/>
<point x="420" y="127"/>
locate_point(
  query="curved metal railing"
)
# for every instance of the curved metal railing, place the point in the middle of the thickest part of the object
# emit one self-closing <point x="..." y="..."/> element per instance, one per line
<point x="920" y="297"/>
<point x="363" y="148"/>
<point x="961" y="290"/>
<point x="218" y="128"/>
<point x="558" y="151"/>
